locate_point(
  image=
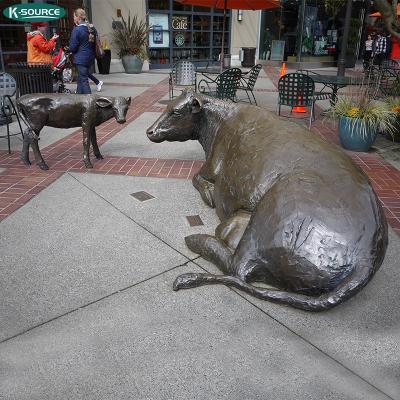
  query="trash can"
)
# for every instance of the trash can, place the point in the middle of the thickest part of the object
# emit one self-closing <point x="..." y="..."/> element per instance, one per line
<point x="227" y="61"/>
<point x="249" y="57"/>
<point x="103" y="63"/>
<point x="31" y="78"/>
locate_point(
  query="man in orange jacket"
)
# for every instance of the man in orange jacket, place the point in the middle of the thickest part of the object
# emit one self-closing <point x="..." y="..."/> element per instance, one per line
<point x="38" y="47"/>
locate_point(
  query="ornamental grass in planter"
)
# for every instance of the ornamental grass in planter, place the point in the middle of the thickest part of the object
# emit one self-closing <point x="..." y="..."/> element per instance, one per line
<point x="394" y="106"/>
<point x="130" y="37"/>
<point x="361" y="118"/>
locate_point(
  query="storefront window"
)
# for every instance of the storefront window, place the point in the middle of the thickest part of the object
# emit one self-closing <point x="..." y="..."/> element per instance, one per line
<point x="195" y="33"/>
<point x="158" y="4"/>
<point x="320" y="33"/>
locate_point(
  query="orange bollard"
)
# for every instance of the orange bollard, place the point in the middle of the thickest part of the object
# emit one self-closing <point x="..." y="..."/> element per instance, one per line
<point x="299" y="109"/>
<point x="283" y="70"/>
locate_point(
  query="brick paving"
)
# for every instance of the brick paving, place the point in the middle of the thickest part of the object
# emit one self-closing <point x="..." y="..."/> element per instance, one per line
<point x="19" y="183"/>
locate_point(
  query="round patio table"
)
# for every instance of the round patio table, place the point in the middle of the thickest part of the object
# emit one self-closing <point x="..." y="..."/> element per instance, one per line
<point x="335" y="83"/>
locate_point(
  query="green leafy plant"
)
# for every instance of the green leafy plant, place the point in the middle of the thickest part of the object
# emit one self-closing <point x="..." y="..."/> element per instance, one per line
<point x="131" y="36"/>
<point x="364" y="112"/>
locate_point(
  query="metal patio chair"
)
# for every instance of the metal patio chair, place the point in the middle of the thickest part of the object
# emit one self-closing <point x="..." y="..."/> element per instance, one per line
<point x="296" y="90"/>
<point x="224" y="86"/>
<point x="322" y="94"/>
<point x="31" y="78"/>
<point x="248" y="81"/>
<point x="8" y="88"/>
<point x="182" y="76"/>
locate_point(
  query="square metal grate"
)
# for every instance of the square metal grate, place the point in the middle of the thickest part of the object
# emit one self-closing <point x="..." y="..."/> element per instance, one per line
<point x="194" y="220"/>
<point x="142" y="196"/>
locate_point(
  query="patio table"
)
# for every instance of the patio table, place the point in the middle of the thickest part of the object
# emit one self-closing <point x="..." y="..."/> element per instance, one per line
<point x="335" y="83"/>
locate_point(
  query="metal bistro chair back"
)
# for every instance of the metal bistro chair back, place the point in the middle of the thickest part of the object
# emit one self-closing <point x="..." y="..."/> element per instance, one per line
<point x="296" y="90"/>
<point x="31" y="78"/>
<point x="249" y="80"/>
<point x="183" y="74"/>
<point x="228" y="83"/>
<point x="8" y="88"/>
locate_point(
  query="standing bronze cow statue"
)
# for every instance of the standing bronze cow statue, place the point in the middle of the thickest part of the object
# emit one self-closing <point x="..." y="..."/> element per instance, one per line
<point x="296" y="212"/>
<point x="68" y="111"/>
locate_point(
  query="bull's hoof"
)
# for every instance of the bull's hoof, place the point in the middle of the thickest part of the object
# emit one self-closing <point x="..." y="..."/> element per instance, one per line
<point x="25" y="161"/>
<point x="99" y="156"/>
<point x="88" y="164"/>
<point x="42" y="165"/>
<point x="186" y="281"/>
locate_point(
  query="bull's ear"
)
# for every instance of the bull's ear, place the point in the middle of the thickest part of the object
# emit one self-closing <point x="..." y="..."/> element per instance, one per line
<point x="197" y="105"/>
<point x="128" y="100"/>
<point x="103" y="102"/>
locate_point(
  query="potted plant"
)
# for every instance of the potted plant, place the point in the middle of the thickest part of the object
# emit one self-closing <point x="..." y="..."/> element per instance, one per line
<point x="130" y="37"/>
<point x="394" y="106"/>
<point x="361" y="118"/>
<point x="144" y="56"/>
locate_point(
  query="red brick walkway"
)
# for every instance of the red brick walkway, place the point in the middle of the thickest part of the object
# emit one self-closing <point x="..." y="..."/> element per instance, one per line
<point x="18" y="183"/>
<point x="384" y="177"/>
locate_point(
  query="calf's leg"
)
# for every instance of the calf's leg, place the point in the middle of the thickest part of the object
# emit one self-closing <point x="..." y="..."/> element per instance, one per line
<point x="86" y="145"/>
<point x="232" y="229"/>
<point x="31" y="137"/>
<point x="96" y="151"/>
<point x="25" y="147"/>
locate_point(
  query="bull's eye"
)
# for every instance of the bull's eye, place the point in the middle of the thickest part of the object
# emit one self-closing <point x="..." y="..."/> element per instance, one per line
<point x="175" y="112"/>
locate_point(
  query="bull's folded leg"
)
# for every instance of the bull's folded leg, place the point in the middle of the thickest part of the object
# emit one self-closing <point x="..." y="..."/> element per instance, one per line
<point x="205" y="188"/>
<point x="232" y="229"/>
<point x="211" y="249"/>
<point x="96" y="151"/>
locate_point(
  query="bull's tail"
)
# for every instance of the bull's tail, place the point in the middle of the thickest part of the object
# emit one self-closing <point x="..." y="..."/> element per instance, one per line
<point x="350" y="286"/>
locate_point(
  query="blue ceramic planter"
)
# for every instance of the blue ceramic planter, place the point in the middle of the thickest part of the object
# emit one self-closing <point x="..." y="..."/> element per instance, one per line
<point x="354" y="136"/>
<point x="132" y="64"/>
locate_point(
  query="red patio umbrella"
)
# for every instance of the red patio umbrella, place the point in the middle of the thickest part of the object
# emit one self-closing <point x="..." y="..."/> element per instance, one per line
<point x="232" y="5"/>
<point x="378" y="14"/>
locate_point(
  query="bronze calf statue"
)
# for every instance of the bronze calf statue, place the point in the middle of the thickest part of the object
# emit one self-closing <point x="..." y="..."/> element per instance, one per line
<point x="68" y="111"/>
<point x="296" y="212"/>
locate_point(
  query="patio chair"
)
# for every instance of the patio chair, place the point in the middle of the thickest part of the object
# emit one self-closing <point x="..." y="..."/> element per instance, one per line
<point x="248" y="81"/>
<point x="8" y="88"/>
<point x="223" y="87"/>
<point x="296" y="90"/>
<point x="31" y="78"/>
<point x="183" y="75"/>
<point x="318" y="94"/>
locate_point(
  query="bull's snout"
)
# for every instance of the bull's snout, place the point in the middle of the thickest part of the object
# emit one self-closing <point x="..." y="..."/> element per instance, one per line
<point x="121" y="120"/>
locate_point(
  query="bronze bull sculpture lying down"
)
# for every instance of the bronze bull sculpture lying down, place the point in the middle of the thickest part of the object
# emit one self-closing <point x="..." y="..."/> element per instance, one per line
<point x="68" y="111"/>
<point x="296" y="212"/>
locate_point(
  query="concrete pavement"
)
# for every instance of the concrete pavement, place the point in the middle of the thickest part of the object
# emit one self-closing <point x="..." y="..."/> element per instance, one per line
<point x="87" y="309"/>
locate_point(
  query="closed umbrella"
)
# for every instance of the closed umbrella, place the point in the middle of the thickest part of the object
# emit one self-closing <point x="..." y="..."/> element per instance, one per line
<point x="232" y="5"/>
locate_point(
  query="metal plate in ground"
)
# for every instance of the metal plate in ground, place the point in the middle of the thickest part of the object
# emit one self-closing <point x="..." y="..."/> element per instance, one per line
<point x="142" y="196"/>
<point x="194" y="220"/>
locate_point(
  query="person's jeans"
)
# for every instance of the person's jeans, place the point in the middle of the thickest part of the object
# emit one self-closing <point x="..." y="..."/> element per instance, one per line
<point x="82" y="80"/>
<point x="94" y="79"/>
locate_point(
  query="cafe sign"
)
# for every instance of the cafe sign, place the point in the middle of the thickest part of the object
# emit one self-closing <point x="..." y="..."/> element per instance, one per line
<point x="180" y="23"/>
<point x="34" y="12"/>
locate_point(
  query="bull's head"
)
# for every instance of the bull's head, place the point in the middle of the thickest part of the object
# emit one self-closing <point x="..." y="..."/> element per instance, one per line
<point x="179" y="122"/>
<point x="119" y="106"/>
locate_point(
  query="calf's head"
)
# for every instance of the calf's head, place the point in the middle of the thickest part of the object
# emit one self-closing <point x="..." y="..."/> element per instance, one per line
<point x="180" y="120"/>
<point x="119" y="106"/>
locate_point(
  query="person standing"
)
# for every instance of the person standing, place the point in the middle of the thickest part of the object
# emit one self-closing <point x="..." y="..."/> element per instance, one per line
<point x="368" y="51"/>
<point x="83" y="46"/>
<point x="39" y="48"/>
<point x="380" y="49"/>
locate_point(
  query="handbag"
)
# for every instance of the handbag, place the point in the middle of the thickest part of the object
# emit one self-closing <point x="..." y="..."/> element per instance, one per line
<point x="98" y="46"/>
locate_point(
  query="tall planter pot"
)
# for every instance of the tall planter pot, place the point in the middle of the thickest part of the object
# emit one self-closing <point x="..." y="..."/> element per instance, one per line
<point x="353" y="136"/>
<point x="132" y="64"/>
